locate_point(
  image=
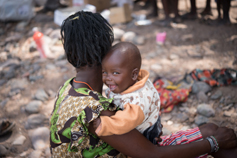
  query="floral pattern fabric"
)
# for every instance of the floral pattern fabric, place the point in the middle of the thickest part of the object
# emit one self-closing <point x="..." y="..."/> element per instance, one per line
<point x="73" y="111"/>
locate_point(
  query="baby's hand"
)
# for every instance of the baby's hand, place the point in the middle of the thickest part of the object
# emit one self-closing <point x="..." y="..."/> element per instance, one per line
<point x="96" y="123"/>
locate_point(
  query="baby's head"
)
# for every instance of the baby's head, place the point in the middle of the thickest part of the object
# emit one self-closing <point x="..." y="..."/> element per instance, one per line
<point x="121" y="66"/>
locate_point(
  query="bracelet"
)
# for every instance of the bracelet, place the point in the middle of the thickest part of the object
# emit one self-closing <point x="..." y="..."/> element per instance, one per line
<point x="216" y="143"/>
<point x="213" y="142"/>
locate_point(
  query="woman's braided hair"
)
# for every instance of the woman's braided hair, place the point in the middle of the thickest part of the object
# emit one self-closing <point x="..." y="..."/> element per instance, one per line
<point x="86" y="38"/>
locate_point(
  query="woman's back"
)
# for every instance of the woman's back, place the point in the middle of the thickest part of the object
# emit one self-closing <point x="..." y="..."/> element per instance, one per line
<point x="73" y="111"/>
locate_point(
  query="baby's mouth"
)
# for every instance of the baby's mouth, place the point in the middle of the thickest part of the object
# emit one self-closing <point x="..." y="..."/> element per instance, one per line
<point x="112" y="87"/>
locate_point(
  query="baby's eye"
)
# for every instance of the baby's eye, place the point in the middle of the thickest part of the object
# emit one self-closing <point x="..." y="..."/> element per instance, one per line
<point x="115" y="73"/>
<point x="104" y="72"/>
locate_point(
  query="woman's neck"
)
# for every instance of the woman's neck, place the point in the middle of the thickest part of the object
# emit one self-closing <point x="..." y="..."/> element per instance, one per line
<point x="90" y="75"/>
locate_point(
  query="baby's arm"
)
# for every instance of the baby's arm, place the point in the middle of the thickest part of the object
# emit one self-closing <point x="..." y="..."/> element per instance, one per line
<point x="121" y="123"/>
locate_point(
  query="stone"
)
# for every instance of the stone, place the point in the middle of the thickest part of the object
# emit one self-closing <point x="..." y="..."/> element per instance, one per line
<point x="166" y="117"/>
<point x="184" y="109"/>
<point x="35" y="154"/>
<point x="61" y="57"/>
<point x="14" y="37"/>
<point x="48" y="31"/>
<point x="2" y="82"/>
<point x="21" y="26"/>
<point x="2" y="31"/>
<point x="229" y="113"/>
<point x="216" y="95"/>
<point x="41" y="95"/>
<point x="156" y="67"/>
<point x="3" y="151"/>
<point x="40" y="138"/>
<point x="191" y="119"/>
<point x="151" y="55"/>
<point x="61" y="63"/>
<point x="18" y="83"/>
<point x="169" y="122"/>
<point x="181" y="117"/>
<point x="51" y="93"/>
<point x="32" y="47"/>
<point x="128" y="37"/>
<point x="227" y="107"/>
<point x="36" y="67"/>
<point x="3" y="56"/>
<point x="10" y="62"/>
<point x="173" y="57"/>
<point x="14" y="92"/>
<point x="200" y="86"/>
<point x="50" y="66"/>
<point x="19" y="140"/>
<point x="55" y="34"/>
<point x="205" y="110"/>
<point x="187" y="37"/>
<point x="199" y="120"/>
<point x="35" y="120"/>
<point x="10" y="72"/>
<point x="184" y="128"/>
<point x="222" y="100"/>
<point x="33" y="106"/>
<point x="192" y="111"/>
<point x="56" y="51"/>
<point x="35" y="77"/>
<point x="43" y="18"/>
<point x="3" y="103"/>
<point x="202" y="97"/>
<point x="118" y="33"/>
<point x="160" y="49"/>
<point x="139" y="40"/>
<point x="166" y="131"/>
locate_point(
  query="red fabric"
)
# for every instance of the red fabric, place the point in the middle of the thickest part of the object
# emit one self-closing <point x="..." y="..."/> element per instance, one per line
<point x="170" y="98"/>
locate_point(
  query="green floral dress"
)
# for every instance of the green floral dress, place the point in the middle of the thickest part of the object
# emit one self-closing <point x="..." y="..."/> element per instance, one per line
<point x="73" y="111"/>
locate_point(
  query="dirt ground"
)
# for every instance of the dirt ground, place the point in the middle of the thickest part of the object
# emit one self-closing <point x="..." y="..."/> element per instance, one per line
<point x="189" y="45"/>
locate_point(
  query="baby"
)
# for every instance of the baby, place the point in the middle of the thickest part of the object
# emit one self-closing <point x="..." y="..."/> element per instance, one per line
<point x="132" y="92"/>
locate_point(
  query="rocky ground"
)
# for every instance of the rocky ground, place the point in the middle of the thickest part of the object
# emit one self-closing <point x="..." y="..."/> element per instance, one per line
<point x="29" y="83"/>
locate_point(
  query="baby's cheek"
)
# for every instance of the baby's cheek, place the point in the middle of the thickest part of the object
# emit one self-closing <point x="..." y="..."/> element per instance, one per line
<point x="103" y="78"/>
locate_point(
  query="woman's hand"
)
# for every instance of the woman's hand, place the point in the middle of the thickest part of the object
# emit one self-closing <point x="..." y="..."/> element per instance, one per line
<point x="97" y="121"/>
<point x="226" y="137"/>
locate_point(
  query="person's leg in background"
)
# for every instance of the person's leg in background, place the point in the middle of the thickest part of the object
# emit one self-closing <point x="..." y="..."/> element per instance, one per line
<point x="218" y="4"/>
<point x="193" y="12"/>
<point x="166" y="9"/>
<point x="193" y="7"/>
<point x="226" y="9"/>
<point x="177" y="18"/>
<point x="52" y="5"/>
<point x="167" y="20"/>
<point x="207" y="10"/>
<point x="154" y="12"/>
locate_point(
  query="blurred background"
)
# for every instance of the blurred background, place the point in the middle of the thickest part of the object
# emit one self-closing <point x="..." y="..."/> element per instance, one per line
<point x="185" y="44"/>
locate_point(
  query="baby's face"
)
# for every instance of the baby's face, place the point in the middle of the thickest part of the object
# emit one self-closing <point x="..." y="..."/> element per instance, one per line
<point x="117" y="74"/>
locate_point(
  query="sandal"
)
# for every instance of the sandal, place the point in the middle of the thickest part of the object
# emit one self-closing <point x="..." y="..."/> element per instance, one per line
<point x="6" y="126"/>
<point x="189" y="16"/>
<point x="206" y="12"/>
<point x="164" y="23"/>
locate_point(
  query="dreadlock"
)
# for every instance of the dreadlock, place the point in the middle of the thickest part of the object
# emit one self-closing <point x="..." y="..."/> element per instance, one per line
<point x="86" y="38"/>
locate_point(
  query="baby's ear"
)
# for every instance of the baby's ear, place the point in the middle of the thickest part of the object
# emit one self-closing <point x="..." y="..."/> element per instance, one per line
<point x="135" y="73"/>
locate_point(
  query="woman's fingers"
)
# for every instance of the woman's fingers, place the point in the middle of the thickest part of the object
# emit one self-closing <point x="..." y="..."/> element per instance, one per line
<point x="226" y="138"/>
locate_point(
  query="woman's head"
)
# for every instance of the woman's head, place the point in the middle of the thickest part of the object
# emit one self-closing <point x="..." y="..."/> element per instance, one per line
<point x="86" y="38"/>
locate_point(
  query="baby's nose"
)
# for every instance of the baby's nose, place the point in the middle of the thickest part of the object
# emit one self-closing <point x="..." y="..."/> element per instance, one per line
<point x="108" y="78"/>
